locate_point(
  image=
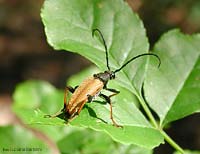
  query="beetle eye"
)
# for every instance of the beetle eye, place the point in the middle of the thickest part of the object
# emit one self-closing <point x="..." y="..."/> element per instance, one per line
<point x="112" y="76"/>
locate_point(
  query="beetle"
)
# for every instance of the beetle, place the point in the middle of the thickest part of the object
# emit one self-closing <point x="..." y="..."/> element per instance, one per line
<point x="91" y="87"/>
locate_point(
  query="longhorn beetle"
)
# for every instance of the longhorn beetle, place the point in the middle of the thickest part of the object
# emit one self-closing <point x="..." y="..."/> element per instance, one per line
<point x="91" y="87"/>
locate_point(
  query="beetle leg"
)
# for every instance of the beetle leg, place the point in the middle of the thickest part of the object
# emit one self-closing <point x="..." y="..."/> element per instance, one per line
<point x="112" y="90"/>
<point x="90" y="98"/>
<point x="108" y="100"/>
<point x="71" y="89"/>
<point x="60" y="113"/>
<point x="68" y="88"/>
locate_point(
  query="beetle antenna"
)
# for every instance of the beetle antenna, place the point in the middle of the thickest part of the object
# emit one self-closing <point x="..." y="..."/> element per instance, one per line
<point x="104" y="43"/>
<point x="144" y="54"/>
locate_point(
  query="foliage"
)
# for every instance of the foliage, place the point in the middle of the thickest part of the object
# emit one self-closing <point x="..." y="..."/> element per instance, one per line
<point x="171" y="90"/>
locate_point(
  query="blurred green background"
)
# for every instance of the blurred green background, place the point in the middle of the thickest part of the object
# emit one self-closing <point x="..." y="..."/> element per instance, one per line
<point x="25" y="54"/>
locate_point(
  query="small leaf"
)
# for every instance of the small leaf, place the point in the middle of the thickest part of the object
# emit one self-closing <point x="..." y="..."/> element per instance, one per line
<point x="188" y="99"/>
<point x="90" y="142"/>
<point x="38" y="94"/>
<point x="175" y="85"/>
<point x="33" y="100"/>
<point x="15" y="139"/>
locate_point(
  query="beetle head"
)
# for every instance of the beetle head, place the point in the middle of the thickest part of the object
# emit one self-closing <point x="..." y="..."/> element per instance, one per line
<point x="111" y="73"/>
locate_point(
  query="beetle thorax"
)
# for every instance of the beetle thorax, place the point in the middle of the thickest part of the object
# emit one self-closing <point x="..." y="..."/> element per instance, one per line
<point x="105" y="76"/>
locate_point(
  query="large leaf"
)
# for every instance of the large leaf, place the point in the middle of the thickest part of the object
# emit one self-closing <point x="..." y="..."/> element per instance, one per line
<point x="94" y="115"/>
<point x="69" y="24"/>
<point x="39" y="91"/>
<point x="125" y="111"/>
<point x="176" y="86"/>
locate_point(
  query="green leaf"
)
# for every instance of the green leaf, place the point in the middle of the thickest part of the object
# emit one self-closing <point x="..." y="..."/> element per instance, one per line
<point x="188" y="99"/>
<point x="54" y="127"/>
<point x="34" y="99"/>
<point x="15" y="139"/>
<point x="125" y="112"/>
<point x="175" y="85"/>
<point x="90" y="142"/>
<point x="94" y="115"/>
<point x="69" y="24"/>
<point x="33" y="94"/>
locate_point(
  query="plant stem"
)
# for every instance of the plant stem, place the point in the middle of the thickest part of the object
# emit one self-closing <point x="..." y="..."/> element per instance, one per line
<point x="154" y="123"/>
<point x="171" y="142"/>
<point x="148" y="112"/>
